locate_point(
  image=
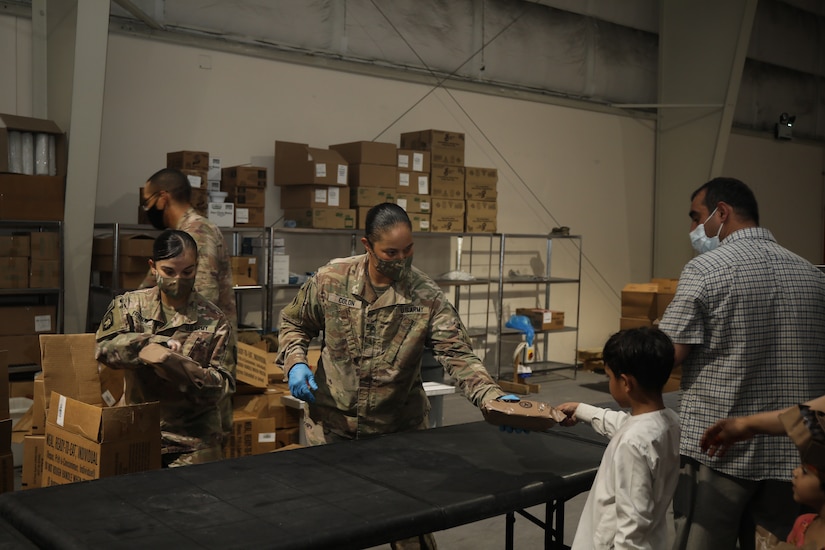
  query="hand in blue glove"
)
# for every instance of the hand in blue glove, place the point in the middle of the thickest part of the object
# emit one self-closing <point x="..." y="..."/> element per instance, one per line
<point x="510" y="398"/>
<point x="301" y="380"/>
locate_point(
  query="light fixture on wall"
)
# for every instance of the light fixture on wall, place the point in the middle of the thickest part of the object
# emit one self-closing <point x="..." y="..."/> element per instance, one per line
<point x="784" y="128"/>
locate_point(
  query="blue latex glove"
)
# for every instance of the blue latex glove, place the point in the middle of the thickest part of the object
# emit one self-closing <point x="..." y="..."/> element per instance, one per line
<point x="510" y="398"/>
<point x="523" y="324"/>
<point x="301" y="380"/>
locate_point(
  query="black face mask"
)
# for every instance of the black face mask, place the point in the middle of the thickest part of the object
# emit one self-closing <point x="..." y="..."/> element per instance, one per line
<point x="155" y="217"/>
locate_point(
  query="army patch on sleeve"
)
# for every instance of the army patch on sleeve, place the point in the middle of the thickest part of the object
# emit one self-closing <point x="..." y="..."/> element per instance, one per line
<point x="108" y="320"/>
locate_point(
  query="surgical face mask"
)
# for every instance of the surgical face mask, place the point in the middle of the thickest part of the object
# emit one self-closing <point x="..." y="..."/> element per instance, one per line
<point x="394" y="269"/>
<point x="175" y="287"/>
<point x="699" y="239"/>
<point x="155" y="216"/>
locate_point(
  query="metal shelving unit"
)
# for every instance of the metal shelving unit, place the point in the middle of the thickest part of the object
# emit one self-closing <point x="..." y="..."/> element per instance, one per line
<point x="36" y="296"/>
<point x="101" y="295"/>
<point x="544" y="283"/>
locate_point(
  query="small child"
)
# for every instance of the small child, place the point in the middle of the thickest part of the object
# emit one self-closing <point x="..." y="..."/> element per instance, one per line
<point x="628" y="502"/>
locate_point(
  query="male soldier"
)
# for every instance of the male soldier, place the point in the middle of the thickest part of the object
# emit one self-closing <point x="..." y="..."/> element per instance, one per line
<point x="166" y="200"/>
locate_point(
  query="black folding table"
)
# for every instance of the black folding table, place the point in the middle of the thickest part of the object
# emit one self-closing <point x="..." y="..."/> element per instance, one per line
<point x="354" y="494"/>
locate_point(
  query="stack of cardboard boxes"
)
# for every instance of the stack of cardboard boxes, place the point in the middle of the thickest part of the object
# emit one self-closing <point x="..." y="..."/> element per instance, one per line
<point x="313" y="182"/>
<point x="246" y="192"/>
<point x="261" y="421"/>
<point x="33" y="158"/>
<point x="463" y="198"/>
<point x="79" y="430"/>
<point x="29" y="260"/>
<point x="134" y="252"/>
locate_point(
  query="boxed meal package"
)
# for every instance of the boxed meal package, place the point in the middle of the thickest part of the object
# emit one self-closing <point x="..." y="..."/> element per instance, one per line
<point x="524" y="414"/>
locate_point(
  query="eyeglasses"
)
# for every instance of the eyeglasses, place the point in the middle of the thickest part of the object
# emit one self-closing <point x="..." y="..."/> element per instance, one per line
<point x="146" y="201"/>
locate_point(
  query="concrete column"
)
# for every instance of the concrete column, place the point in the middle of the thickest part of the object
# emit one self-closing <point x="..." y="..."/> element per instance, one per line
<point x="77" y="34"/>
<point x="702" y="49"/>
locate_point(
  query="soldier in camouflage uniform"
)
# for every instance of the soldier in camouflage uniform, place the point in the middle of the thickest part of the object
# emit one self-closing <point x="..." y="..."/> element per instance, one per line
<point x="167" y="201"/>
<point x="376" y="313"/>
<point x="197" y="417"/>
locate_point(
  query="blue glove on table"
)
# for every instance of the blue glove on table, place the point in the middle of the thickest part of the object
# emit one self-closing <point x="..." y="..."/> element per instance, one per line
<point x="510" y="398"/>
<point x="301" y="380"/>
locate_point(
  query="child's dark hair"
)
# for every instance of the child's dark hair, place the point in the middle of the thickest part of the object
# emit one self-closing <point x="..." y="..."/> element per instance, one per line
<point x="172" y="243"/>
<point x="646" y="353"/>
<point x="382" y="217"/>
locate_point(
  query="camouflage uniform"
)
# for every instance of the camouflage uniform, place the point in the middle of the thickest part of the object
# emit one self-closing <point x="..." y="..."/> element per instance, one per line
<point x="369" y="375"/>
<point x="213" y="279"/>
<point x="193" y="422"/>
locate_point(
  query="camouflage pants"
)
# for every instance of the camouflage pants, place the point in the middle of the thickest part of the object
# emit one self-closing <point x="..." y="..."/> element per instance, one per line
<point x="317" y="435"/>
<point x="202" y="456"/>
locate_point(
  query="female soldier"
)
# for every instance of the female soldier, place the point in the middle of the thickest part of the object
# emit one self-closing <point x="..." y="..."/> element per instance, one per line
<point x="196" y="410"/>
<point x="376" y="312"/>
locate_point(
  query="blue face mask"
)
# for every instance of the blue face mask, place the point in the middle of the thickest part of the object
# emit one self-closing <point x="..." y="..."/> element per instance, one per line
<point x="699" y="239"/>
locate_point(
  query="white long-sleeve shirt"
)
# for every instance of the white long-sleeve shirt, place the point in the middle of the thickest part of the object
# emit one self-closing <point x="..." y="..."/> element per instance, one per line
<point x="628" y="502"/>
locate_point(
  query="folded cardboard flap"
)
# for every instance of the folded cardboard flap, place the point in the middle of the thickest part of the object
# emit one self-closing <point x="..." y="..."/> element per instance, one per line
<point x="69" y="366"/>
<point x="524" y="414"/>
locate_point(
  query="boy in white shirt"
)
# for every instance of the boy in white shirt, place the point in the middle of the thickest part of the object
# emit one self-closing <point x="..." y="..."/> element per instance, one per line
<point x="628" y="503"/>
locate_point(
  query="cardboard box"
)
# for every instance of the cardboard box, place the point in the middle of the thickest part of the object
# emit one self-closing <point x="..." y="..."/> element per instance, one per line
<point x="246" y="216"/>
<point x="300" y="164"/>
<point x="413" y="182"/>
<point x="481" y="217"/>
<point x="414" y="203"/>
<point x="26" y="320"/>
<point x="446" y="222"/>
<point x="125" y="281"/>
<point x="243" y="176"/>
<point x="633" y="322"/>
<point x="133" y="244"/>
<point x="420" y="222"/>
<point x="14" y="272"/>
<point x="38" y="405"/>
<point x="543" y="319"/>
<point x="370" y="196"/>
<point x="86" y="441"/>
<point x="639" y="300"/>
<point x="367" y="152"/>
<point x="14" y="123"/>
<point x="5" y="388"/>
<point x="126" y="264"/>
<point x="445" y="147"/>
<point x="524" y="414"/>
<point x="197" y="178"/>
<point x="244" y="270"/>
<point x="322" y="218"/>
<point x="15" y="246"/>
<point x="31" y="197"/>
<point x="32" y="474"/>
<point x="480" y="183"/>
<point x="270" y="405"/>
<point x="69" y="366"/>
<point x="44" y="245"/>
<point x="252" y="364"/>
<point x="246" y="196"/>
<point x="314" y="196"/>
<point x="372" y="175"/>
<point x="250" y="435"/>
<point x="447" y="181"/>
<point x="199" y="199"/>
<point x="23" y="349"/>
<point x="414" y="161"/>
<point x="287" y="437"/>
<point x="188" y="160"/>
<point x="440" y="206"/>
<point x="222" y="214"/>
<point x="44" y="274"/>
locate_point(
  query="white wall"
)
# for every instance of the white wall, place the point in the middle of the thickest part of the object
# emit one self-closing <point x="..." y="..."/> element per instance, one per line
<point x="590" y="171"/>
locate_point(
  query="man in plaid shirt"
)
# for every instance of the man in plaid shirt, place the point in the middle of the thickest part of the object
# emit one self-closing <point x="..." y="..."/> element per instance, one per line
<point x="748" y="325"/>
